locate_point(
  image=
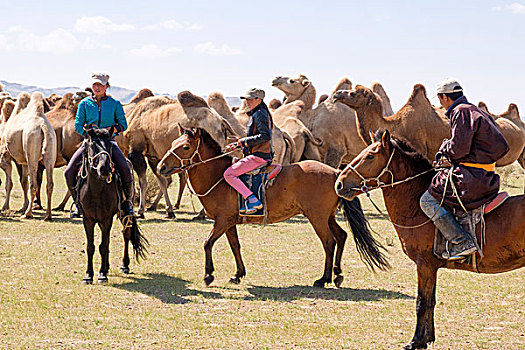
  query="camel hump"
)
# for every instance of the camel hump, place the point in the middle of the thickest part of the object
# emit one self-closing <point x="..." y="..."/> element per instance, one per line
<point x="37" y="101"/>
<point x="7" y="109"/>
<point x="187" y="99"/>
<point x="343" y="84"/>
<point x="274" y="104"/>
<point x="482" y="105"/>
<point x="217" y="98"/>
<point x="378" y="88"/>
<point x="22" y="101"/>
<point x="1" y="87"/>
<point x="142" y="94"/>
<point x="419" y="92"/>
<point x="513" y="108"/>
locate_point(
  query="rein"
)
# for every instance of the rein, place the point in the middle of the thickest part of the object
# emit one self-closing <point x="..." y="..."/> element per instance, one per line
<point x="191" y="165"/>
<point x="380" y="184"/>
<point x="91" y="160"/>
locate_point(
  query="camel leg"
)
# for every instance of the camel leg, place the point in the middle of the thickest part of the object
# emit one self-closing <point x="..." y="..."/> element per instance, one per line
<point x="62" y="205"/>
<point x="426" y="302"/>
<point x="89" y="228"/>
<point x="32" y="169"/>
<point x="219" y="227"/>
<point x="233" y="240"/>
<point x="8" y="184"/>
<point x="340" y="238"/>
<point x="153" y="206"/>
<point x="143" y="185"/>
<point x="163" y="183"/>
<point x="37" y="204"/>
<point x="139" y="165"/>
<point x="49" y="190"/>
<point x="322" y="230"/>
<point x="105" y="229"/>
<point x="23" y="174"/>
<point x="334" y="157"/>
<point x="182" y="185"/>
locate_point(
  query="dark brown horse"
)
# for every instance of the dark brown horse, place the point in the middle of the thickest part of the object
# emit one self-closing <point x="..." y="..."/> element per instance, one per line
<point x="99" y="200"/>
<point x="390" y="160"/>
<point x="301" y="188"/>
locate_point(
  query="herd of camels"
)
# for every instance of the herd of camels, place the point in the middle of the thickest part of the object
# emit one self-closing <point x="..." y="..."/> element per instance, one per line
<point x="37" y="133"/>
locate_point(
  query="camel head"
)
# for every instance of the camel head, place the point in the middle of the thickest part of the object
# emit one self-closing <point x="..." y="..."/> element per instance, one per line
<point x="292" y="87"/>
<point x="360" y="97"/>
<point x="80" y="95"/>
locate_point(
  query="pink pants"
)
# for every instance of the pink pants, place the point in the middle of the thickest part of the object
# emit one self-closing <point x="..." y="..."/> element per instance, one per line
<point x="246" y="164"/>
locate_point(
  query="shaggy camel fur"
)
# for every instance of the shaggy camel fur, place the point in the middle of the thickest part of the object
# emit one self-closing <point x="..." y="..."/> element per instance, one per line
<point x="331" y="122"/>
<point x="29" y="138"/>
<point x="153" y="125"/>
<point x="408" y="122"/>
<point x="274" y="104"/>
<point x="283" y="144"/>
<point x="513" y="115"/>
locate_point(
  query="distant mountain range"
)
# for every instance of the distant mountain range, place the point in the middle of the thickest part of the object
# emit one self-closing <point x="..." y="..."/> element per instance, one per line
<point x="122" y="94"/>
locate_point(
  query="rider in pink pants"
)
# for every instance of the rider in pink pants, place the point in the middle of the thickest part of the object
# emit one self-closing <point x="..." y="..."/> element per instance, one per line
<point x="256" y="147"/>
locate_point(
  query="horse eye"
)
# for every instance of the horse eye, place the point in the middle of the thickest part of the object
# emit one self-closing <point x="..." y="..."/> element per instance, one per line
<point x="292" y="81"/>
<point x="370" y="156"/>
<point x="186" y="147"/>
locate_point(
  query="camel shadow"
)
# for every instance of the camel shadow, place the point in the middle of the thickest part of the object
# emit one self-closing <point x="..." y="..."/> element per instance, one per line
<point x="292" y="293"/>
<point x="168" y="289"/>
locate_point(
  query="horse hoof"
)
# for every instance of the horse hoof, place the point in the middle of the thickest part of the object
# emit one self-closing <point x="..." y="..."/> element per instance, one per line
<point x="141" y="216"/>
<point x="170" y="215"/>
<point x="319" y="283"/>
<point x="234" y="280"/>
<point x="198" y="218"/>
<point x="415" y="345"/>
<point x="208" y="279"/>
<point x="338" y="280"/>
<point x="48" y="218"/>
<point x="124" y="269"/>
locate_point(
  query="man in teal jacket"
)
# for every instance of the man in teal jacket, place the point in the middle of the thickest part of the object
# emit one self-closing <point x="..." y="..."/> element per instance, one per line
<point x="106" y="113"/>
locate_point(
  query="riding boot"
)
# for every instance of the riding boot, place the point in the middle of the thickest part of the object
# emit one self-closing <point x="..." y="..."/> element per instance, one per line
<point x="460" y="241"/>
<point x="77" y="213"/>
<point x="127" y="203"/>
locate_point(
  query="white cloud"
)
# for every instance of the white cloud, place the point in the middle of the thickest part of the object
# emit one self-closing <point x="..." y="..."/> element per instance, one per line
<point x="172" y="24"/>
<point x="516" y="8"/>
<point x="497" y="8"/>
<point x="211" y="49"/>
<point x="153" y="51"/>
<point x="92" y="44"/>
<point x="59" y="41"/>
<point x="100" y="25"/>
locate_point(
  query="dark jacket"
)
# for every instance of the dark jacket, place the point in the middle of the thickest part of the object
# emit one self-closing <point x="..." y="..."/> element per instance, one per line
<point x="475" y="138"/>
<point x="259" y="139"/>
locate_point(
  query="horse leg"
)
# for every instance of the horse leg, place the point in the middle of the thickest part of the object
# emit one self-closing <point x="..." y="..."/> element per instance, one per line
<point x="37" y="204"/>
<point x="340" y="238"/>
<point x="233" y="240"/>
<point x="322" y="230"/>
<point x="8" y="184"/>
<point x="200" y="217"/>
<point x="426" y="301"/>
<point x="105" y="228"/>
<point x="218" y="229"/>
<point x="62" y="205"/>
<point x="49" y="190"/>
<point x="125" y="260"/>
<point x="89" y="228"/>
<point x="182" y="185"/>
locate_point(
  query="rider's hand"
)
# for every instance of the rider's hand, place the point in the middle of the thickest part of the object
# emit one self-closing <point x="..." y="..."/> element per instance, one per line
<point x="232" y="146"/>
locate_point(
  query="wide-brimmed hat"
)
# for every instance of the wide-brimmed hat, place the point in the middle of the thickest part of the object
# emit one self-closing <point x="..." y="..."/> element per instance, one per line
<point x="101" y="78"/>
<point x="448" y="86"/>
<point x="253" y="93"/>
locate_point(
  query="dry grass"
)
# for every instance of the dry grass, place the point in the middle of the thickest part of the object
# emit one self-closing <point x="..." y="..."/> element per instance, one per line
<point x="164" y="303"/>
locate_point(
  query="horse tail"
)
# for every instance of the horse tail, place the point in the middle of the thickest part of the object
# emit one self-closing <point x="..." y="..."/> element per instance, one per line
<point x="369" y="249"/>
<point x="139" y="242"/>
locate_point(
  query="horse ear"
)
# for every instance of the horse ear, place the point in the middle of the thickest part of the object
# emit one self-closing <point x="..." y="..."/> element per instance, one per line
<point x="372" y="136"/>
<point x="181" y="129"/>
<point x="385" y="139"/>
<point x="196" y="132"/>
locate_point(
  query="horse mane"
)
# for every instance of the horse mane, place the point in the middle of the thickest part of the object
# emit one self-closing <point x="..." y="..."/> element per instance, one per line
<point x="206" y="139"/>
<point x="405" y="148"/>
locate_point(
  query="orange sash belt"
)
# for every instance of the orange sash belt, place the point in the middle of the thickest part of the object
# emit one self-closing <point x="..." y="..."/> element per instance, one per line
<point x="486" y="167"/>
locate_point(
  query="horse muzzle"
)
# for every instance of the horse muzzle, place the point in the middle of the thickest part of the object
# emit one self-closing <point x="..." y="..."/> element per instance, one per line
<point x="348" y="193"/>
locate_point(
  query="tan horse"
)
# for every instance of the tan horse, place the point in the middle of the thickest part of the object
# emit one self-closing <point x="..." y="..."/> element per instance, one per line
<point x="301" y="188"/>
<point x="29" y="138"/>
<point x="390" y="160"/>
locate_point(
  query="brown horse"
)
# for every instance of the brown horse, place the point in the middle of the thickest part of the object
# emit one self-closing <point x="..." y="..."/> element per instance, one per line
<point x="389" y="160"/>
<point x="301" y="188"/>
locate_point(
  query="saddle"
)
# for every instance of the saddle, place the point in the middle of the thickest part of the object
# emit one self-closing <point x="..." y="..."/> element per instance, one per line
<point x="257" y="180"/>
<point x="469" y="221"/>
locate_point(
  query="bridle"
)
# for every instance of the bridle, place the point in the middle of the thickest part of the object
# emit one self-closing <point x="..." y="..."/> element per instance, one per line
<point x="190" y="165"/>
<point x="91" y="161"/>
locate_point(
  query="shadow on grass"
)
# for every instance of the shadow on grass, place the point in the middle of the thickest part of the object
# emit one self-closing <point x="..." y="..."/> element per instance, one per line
<point x="340" y="294"/>
<point x="168" y="289"/>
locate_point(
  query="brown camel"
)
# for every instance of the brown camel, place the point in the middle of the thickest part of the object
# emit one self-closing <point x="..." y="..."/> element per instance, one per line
<point x="153" y="125"/>
<point x="274" y="104"/>
<point x="331" y="122"/>
<point x="418" y="121"/>
<point x="29" y="138"/>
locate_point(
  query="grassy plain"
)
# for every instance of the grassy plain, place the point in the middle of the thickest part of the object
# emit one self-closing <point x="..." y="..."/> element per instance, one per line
<point x="164" y="304"/>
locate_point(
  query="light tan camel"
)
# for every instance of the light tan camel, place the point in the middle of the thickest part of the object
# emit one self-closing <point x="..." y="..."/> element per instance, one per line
<point x="29" y="138"/>
<point x="334" y="123"/>
<point x="423" y="125"/>
<point x="153" y="125"/>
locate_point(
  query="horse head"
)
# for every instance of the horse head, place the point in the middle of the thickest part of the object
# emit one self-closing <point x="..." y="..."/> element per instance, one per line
<point x="369" y="169"/>
<point x="98" y="152"/>
<point x="181" y="153"/>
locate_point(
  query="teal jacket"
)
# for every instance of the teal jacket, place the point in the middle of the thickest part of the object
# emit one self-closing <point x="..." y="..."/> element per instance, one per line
<point x="109" y="114"/>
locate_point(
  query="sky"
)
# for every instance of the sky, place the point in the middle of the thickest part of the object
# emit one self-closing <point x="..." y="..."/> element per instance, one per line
<point x="230" y="46"/>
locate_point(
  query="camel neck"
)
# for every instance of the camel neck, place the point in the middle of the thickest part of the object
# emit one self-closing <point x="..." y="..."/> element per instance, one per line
<point x="369" y="118"/>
